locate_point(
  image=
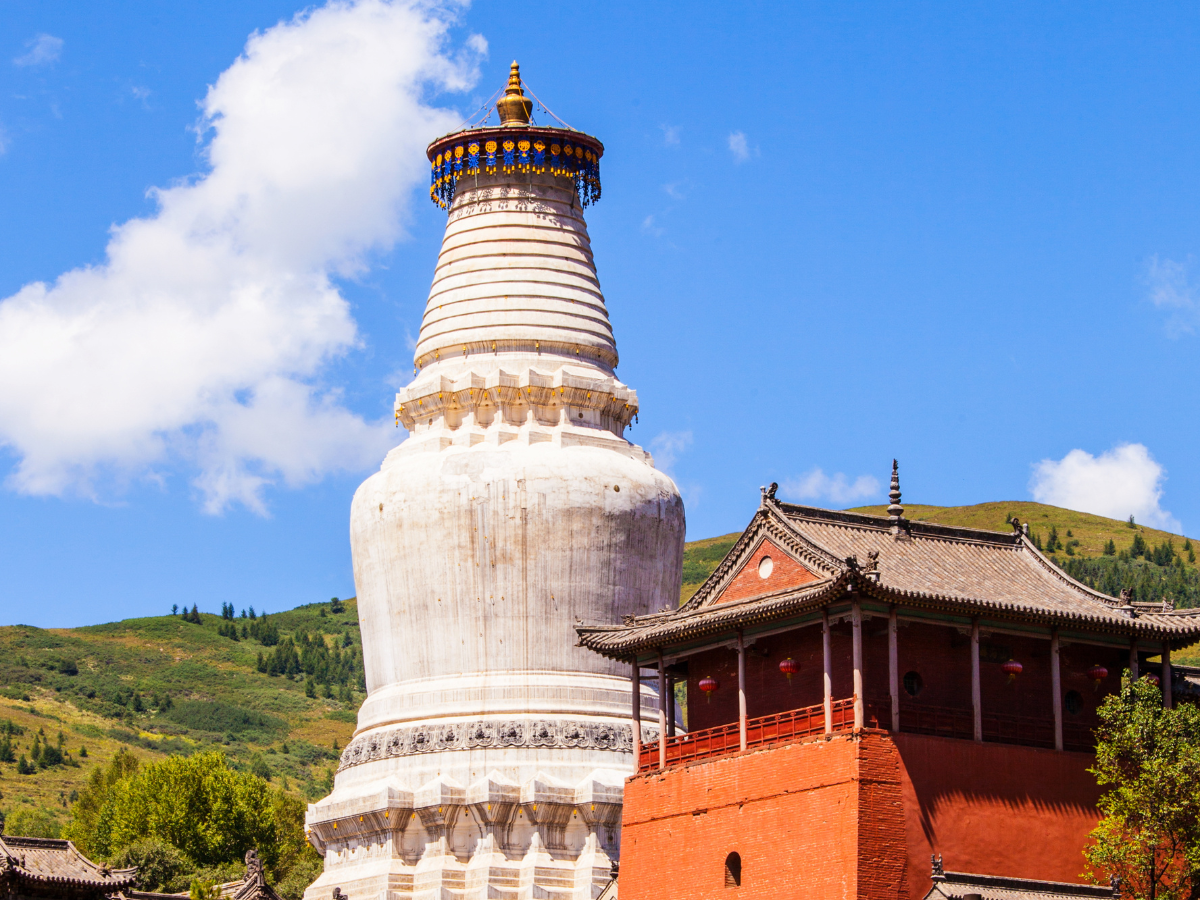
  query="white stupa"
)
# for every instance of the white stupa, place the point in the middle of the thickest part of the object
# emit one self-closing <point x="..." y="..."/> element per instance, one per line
<point x="491" y="751"/>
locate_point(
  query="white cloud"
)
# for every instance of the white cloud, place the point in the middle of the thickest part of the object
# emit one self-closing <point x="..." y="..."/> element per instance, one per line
<point x="738" y="147"/>
<point x="650" y="227"/>
<point x="43" y="49"/>
<point x="838" y="489"/>
<point x="1171" y="289"/>
<point x="202" y="338"/>
<point x="1123" y="481"/>
<point x="670" y="134"/>
<point x="667" y="447"/>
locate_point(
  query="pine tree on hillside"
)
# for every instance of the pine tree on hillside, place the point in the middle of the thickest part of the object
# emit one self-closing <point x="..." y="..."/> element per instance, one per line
<point x="1110" y="549"/>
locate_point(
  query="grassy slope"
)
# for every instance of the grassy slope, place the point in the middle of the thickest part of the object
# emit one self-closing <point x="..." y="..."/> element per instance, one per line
<point x="164" y="655"/>
<point x="1092" y="531"/>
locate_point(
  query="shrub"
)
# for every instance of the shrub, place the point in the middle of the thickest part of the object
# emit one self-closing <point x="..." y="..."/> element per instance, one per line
<point x="220" y="717"/>
<point x="32" y="823"/>
<point x="160" y="866"/>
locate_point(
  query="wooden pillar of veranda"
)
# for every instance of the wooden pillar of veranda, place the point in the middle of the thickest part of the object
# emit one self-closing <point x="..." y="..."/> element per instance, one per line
<point x="662" y="715"/>
<point x="741" y="672"/>
<point x="976" y="693"/>
<point x="894" y="667"/>
<point x="1056" y="689"/>
<point x="857" y="660"/>
<point x="827" y="662"/>
<point x="636" y="678"/>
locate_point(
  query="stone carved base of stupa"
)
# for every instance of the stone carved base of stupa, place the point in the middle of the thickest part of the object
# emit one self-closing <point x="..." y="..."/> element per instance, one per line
<point x="492" y="839"/>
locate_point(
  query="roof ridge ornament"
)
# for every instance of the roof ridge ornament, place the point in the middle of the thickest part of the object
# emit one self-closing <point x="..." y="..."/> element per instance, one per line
<point x="895" y="510"/>
<point x="768" y="493"/>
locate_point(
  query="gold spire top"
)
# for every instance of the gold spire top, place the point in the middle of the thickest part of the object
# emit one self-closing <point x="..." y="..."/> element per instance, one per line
<point x="514" y="108"/>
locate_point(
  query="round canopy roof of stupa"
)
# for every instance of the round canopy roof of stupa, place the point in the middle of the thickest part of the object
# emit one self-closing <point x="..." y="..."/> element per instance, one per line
<point x="514" y="146"/>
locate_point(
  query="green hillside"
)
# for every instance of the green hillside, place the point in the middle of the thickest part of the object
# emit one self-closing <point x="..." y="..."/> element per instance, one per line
<point x="164" y="685"/>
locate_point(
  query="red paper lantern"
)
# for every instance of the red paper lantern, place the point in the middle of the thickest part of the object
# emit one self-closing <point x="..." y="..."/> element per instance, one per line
<point x="1097" y="673"/>
<point x="1012" y="669"/>
<point x="708" y="685"/>
<point x="789" y="667"/>
<point x="1153" y="679"/>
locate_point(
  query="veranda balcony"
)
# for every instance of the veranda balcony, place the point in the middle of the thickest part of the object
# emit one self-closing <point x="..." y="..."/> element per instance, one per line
<point x="810" y="721"/>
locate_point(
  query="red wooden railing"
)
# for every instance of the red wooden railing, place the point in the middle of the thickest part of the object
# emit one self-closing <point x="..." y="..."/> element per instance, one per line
<point x="760" y="732"/>
<point x="1000" y="728"/>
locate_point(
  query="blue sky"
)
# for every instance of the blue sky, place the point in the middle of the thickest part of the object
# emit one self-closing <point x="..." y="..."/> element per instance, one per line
<point x="831" y="234"/>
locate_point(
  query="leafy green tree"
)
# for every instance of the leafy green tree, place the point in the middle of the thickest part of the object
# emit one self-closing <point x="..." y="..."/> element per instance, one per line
<point x="198" y="805"/>
<point x="1148" y="759"/>
<point x="1110" y="549"/>
<point x="26" y="822"/>
<point x="86" y="812"/>
<point x="160" y="866"/>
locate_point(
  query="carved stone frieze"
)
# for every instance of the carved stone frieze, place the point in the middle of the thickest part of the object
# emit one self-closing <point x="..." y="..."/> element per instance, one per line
<point x="481" y="735"/>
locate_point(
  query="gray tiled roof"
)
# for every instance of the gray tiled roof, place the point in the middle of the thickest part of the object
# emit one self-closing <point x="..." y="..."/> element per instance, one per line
<point x="52" y="861"/>
<point x="960" y="885"/>
<point x="997" y="575"/>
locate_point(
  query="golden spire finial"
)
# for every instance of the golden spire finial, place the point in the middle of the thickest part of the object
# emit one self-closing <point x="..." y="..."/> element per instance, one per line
<point x="514" y="108"/>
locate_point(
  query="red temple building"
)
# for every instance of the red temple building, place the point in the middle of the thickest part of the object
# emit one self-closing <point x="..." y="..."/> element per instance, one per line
<point x="865" y="694"/>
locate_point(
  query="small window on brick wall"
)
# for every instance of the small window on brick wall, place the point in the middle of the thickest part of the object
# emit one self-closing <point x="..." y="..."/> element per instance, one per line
<point x="733" y="870"/>
<point x="913" y="683"/>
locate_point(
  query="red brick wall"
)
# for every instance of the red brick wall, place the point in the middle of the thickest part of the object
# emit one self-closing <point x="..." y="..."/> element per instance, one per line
<point x="994" y="809"/>
<point x="855" y="818"/>
<point x="786" y="573"/>
<point x="791" y="813"/>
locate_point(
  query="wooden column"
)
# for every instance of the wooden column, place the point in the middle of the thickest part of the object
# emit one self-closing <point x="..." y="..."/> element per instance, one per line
<point x="976" y="698"/>
<point x="741" y="652"/>
<point x="670" y="705"/>
<point x="1168" y="700"/>
<point x="1133" y="659"/>
<point x="827" y="659"/>
<point x="636" y="678"/>
<point x="856" y="642"/>
<point x="894" y="667"/>
<point x="1056" y="689"/>
<point x="662" y="715"/>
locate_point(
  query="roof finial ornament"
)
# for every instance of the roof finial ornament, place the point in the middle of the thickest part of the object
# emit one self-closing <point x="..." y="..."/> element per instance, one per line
<point x="895" y="510"/>
<point x="514" y="108"/>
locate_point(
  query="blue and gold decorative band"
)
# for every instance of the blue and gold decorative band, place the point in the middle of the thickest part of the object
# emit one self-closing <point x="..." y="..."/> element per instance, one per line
<point x="564" y="154"/>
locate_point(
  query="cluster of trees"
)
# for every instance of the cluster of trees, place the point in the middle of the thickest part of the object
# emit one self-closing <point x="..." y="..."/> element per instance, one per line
<point x="8" y="747"/>
<point x="190" y="820"/>
<point x="192" y="616"/>
<point x="327" y="663"/>
<point x="1148" y="759"/>
<point x="42" y="753"/>
<point x="1149" y="582"/>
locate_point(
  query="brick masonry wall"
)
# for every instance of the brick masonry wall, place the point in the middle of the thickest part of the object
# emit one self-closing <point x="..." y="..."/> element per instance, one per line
<point x="790" y="813"/>
<point x="855" y="818"/>
<point x="994" y="808"/>
<point x="748" y="582"/>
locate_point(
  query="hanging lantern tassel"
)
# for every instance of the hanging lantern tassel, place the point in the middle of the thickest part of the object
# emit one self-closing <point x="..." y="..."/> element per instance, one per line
<point x="708" y="685"/>
<point x="1097" y="673"/>
<point x="788" y="667"/>
<point x="1012" y="669"/>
